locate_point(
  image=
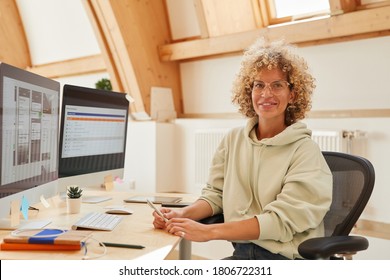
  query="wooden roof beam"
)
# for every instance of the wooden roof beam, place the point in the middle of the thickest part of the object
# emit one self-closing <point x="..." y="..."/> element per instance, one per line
<point x="354" y="23"/>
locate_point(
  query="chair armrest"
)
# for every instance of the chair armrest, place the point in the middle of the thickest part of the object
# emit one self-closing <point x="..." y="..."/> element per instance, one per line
<point x="216" y="219"/>
<point x="326" y="247"/>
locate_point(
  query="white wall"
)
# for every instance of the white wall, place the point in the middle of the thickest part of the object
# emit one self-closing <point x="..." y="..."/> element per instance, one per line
<point x="206" y="85"/>
<point x="57" y="30"/>
<point x="351" y="75"/>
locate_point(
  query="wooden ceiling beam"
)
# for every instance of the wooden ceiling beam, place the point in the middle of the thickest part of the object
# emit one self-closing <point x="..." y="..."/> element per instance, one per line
<point x="355" y="23"/>
<point x="131" y="32"/>
<point x="71" y="67"/>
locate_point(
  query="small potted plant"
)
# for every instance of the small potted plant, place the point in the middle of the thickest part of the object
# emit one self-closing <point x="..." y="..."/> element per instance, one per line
<point x="103" y="83"/>
<point x="74" y="193"/>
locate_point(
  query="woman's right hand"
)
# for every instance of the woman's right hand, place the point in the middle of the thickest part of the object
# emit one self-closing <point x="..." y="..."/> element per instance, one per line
<point x="196" y="211"/>
<point x="168" y="213"/>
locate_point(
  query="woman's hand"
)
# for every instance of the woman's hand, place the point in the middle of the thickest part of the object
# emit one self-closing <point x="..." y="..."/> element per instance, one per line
<point x="159" y="222"/>
<point x="189" y="229"/>
<point x="181" y="222"/>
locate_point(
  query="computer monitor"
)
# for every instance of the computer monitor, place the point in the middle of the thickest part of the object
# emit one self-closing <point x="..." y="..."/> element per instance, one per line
<point x="29" y="127"/>
<point x="92" y="136"/>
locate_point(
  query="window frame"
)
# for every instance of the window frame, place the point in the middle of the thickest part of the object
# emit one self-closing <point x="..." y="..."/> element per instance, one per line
<point x="269" y="7"/>
<point x="268" y="10"/>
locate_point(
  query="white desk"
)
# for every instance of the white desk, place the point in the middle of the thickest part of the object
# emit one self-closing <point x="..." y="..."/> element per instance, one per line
<point x="133" y="229"/>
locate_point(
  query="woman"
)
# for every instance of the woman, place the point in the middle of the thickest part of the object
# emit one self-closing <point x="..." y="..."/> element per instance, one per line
<point x="269" y="178"/>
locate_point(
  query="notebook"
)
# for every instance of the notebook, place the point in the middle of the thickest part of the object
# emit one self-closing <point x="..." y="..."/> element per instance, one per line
<point x="39" y="247"/>
<point x="45" y="240"/>
<point x="154" y="199"/>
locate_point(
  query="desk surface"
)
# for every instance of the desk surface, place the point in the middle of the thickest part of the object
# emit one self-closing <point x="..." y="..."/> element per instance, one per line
<point x="136" y="228"/>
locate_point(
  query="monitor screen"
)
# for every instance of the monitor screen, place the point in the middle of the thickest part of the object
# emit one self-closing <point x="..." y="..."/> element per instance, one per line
<point x="29" y="122"/>
<point x="92" y="133"/>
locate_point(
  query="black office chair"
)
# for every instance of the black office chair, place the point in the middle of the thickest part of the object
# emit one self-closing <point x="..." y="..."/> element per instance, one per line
<point x="353" y="182"/>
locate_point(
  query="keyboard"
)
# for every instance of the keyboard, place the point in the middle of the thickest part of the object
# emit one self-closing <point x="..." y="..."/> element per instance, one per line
<point x="98" y="221"/>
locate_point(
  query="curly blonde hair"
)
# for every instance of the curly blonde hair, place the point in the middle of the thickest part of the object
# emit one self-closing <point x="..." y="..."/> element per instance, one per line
<point x="266" y="55"/>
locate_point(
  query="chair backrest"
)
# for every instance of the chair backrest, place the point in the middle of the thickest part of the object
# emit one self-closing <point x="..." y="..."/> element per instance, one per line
<point x="353" y="182"/>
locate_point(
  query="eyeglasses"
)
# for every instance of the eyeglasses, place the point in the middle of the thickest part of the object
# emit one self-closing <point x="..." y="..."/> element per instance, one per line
<point x="275" y="87"/>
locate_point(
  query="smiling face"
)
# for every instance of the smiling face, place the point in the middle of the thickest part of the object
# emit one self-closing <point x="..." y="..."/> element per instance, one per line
<point x="270" y="102"/>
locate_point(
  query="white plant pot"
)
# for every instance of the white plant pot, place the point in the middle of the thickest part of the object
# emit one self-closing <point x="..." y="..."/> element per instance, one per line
<point x="74" y="205"/>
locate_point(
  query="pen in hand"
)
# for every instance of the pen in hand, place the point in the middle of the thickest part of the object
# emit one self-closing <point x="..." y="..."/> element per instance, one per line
<point x="119" y="245"/>
<point x="157" y="210"/>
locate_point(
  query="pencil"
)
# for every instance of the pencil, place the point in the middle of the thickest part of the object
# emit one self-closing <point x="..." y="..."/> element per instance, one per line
<point x="120" y="245"/>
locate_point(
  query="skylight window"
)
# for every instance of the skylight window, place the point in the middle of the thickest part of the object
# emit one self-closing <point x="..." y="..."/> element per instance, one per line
<point x="286" y="8"/>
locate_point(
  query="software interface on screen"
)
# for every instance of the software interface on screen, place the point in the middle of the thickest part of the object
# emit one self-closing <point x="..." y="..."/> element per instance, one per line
<point x="93" y="131"/>
<point x="29" y="130"/>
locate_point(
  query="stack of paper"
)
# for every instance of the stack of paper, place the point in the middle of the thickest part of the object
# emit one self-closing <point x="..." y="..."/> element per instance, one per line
<point x="45" y="240"/>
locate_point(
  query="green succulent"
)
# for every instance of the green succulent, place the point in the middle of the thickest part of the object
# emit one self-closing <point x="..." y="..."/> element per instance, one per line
<point x="74" y="192"/>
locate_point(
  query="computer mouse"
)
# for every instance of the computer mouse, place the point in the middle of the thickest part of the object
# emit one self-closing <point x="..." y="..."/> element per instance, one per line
<point x="120" y="210"/>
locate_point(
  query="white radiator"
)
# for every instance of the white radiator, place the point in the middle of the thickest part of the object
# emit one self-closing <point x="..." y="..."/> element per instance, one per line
<point x="207" y="140"/>
<point x="340" y="140"/>
<point x="330" y="140"/>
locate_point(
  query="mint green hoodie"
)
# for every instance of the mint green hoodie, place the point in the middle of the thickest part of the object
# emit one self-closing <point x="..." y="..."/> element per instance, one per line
<point x="283" y="181"/>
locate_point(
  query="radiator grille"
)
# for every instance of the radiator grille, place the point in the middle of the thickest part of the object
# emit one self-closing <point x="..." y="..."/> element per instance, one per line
<point x="330" y="140"/>
<point x="206" y="142"/>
